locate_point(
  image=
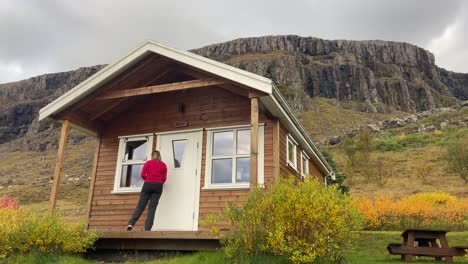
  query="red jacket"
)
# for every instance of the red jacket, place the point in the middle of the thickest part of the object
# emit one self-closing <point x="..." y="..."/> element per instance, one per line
<point x="154" y="171"/>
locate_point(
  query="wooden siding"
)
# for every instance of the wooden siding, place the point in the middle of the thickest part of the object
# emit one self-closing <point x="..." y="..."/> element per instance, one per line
<point x="205" y="108"/>
<point x="285" y="169"/>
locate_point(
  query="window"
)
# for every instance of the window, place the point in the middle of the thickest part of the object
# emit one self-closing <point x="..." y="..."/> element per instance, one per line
<point x="228" y="158"/>
<point x="305" y="164"/>
<point x="178" y="149"/>
<point x="134" y="151"/>
<point x="291" y="154"/>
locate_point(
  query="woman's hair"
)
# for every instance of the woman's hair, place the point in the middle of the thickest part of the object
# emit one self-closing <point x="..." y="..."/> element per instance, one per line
<point x="156" y="155"/>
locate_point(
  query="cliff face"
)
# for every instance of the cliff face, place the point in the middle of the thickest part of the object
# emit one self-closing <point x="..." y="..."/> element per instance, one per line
<point x="380" y="76"/>
<point x="20" y="101"/>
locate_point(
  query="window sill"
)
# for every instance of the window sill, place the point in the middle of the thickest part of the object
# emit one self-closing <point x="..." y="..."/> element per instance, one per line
<point x="290" y="165"/>
<point x="227" y="187"/>
<point x="128" y="191"/>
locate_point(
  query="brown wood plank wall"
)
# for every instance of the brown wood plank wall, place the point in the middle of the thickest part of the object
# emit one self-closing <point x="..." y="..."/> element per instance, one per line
<point x="285" y="169"/>
<point x="205" y="107"/>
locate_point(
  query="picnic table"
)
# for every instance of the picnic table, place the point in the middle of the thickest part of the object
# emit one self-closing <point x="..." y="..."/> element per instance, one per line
<point x="429" y="243"/>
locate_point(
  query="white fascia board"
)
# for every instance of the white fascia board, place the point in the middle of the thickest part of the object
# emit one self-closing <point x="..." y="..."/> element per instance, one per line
<point x="217" y="68"/>
<point x="284" y="113"/>
<point x="92" y="83"/>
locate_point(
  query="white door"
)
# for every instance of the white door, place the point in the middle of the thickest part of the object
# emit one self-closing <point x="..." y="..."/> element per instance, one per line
<point x="179" y="203"/>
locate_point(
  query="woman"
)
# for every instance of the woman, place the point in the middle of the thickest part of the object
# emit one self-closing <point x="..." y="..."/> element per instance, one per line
<point x="154" y="174"/>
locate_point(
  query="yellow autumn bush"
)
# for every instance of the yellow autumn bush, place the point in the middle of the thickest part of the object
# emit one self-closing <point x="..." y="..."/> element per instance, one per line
<point x="302" y="221"/>
<point x="424" y="210"/>
<point x="22" y="230"/>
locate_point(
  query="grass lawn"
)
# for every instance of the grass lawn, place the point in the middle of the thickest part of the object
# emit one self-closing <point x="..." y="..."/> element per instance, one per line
<point x="370" y="247"/>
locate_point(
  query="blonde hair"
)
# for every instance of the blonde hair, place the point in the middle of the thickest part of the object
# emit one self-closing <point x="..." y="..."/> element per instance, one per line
<point x="156" y="155"/>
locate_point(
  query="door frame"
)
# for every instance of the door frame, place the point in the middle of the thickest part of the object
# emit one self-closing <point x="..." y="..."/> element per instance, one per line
<point x="198" y="133"/>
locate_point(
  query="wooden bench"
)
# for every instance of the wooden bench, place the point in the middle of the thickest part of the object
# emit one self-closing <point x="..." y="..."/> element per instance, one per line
<point x="399" y="249"/>
<point x="430" y="243"/>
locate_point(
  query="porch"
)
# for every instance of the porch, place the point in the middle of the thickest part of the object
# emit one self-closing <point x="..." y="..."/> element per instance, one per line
<point x="158" y="240"/>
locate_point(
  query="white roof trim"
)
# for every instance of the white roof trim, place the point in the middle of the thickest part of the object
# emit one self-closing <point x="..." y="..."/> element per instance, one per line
<point x="278" y="106"/>
<point x="94" y="82"/>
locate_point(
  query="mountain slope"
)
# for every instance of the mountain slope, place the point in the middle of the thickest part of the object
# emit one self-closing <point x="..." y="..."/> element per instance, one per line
<point x="20" y="101"/>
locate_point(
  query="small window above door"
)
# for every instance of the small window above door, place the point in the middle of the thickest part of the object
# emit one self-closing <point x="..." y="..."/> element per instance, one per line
<point x="178" y="150"/>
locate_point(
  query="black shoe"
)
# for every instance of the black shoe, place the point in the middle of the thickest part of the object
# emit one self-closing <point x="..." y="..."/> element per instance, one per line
<point x="129" y="228"/>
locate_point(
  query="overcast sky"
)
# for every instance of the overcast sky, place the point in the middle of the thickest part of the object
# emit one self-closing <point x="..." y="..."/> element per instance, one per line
<point x="45" y="36"/>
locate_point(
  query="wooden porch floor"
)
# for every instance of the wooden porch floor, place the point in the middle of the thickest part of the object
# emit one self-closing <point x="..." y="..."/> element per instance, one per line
<point x="158" y="240"/>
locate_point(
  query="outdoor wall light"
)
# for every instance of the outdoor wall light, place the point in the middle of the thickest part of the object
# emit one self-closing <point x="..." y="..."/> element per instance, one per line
<point x="181" y="108"/>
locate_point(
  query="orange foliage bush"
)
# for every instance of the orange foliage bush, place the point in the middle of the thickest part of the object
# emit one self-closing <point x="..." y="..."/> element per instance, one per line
<point x="424" y="210"/>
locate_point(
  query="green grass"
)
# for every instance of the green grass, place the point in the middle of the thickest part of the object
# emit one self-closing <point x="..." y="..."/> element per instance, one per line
<point x="368" y="248"/>
<point x="213" y="258"/>
<point x="328" y="118"/>
<point x="35" y="257"/>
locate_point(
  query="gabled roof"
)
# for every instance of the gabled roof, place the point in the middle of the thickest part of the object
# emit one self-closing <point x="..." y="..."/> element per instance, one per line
<point x="273" y="100"/>
<point x="211" y="66"/>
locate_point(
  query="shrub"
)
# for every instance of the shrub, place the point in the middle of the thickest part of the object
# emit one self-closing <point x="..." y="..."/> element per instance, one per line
<point x="401" y="138"/>
<point x="424" y="210"/>
<point x="457" y="158"/>
<point x="365" y="143"/>
<point x="8" y="202"/>
<point x="382" y="172"/>
<point x="350" y="149"/>
<point x="340" y="177"/>
<point x="302" y="221"/>
<point x="437" y="133"/>
<point x="22" y="230"/>
<point x="388" y="144"/>
<point x="424" y="172"/>
<point x="415" y="140"/>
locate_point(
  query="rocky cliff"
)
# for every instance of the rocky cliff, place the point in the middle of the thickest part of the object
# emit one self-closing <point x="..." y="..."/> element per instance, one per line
<point x="20" y="101"/>
<point x="376" y="76"/>
<point x="381" y="76"/>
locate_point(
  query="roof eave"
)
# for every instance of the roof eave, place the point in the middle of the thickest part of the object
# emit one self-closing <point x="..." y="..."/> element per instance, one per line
<point x="277" y="104"/>
<point x="94" y="82"/>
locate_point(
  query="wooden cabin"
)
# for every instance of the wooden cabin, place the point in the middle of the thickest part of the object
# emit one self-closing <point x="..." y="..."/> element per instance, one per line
<point x="220" y="130"/>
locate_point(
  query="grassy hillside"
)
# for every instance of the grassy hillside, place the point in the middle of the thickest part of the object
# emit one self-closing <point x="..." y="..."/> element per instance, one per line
<point x="324" y="118"/>
<point x="412" y="161"/>
<point x="27" y="176"/>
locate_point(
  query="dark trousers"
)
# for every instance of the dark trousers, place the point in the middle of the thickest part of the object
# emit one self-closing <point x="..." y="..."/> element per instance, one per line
<point x="151" y="192"/>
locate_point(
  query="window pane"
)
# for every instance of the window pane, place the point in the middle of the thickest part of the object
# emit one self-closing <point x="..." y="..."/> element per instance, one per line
<point x="291" y="148"/>
<point x="221" y="171"/>
<point x="243" y="142"/>
<point x="131" y="176"/>
<point x="178" y="149"/>
<point x="304" y="165"/>
<point x="135" y="150"/>
<point x="243" y="170"/>
<point x="222" y="143"/>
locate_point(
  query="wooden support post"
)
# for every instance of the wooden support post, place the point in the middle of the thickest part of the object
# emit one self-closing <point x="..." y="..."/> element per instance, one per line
<point x="253" y="143"/>
<point x="59" y="163"/>
<point x="92" y="181"/>
<point x="276" y="149"/>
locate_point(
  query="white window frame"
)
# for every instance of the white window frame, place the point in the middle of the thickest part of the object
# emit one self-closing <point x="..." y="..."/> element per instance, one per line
<point x="209" y="158"/>
<point x="304" y="157"/>
<point x="292" y="164"/>
<point x="121" y="162"/>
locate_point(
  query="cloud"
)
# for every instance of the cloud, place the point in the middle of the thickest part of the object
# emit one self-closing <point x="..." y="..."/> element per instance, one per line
<point x="48" y="36"/>
<point x="451" y="47"/>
